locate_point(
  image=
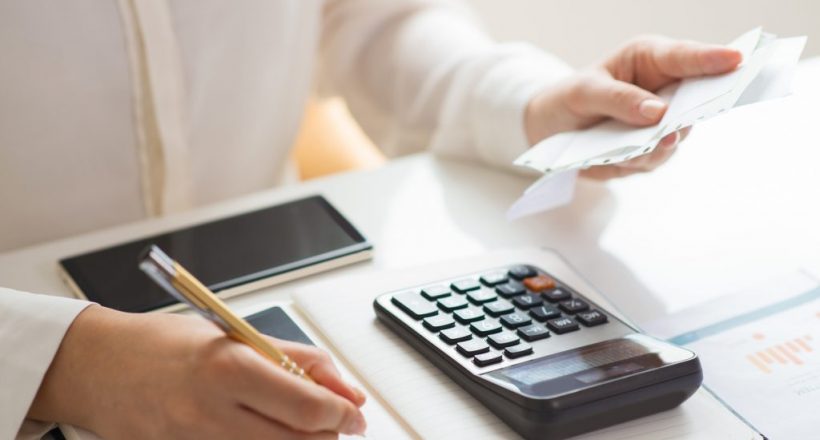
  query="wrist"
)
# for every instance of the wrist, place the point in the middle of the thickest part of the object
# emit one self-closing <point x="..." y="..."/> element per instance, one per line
<point x="68" y="393"/>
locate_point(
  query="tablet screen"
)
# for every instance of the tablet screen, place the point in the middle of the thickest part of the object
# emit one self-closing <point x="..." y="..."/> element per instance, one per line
<point x="222" y="254"/>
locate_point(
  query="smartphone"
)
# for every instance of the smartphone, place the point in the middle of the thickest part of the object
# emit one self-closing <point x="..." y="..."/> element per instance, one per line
<point x="231" y="256"/>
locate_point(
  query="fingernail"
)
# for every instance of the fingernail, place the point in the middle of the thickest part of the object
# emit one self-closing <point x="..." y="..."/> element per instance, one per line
<point x="357" y="426"/>
<point x="652" y="109"/>
<point x="360" y="396"/>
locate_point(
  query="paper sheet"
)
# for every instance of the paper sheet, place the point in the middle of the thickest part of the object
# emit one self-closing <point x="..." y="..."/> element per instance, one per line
<point x="766" y="73"/>
<point x="760" y="353"/>
<point x="432" y="404"/>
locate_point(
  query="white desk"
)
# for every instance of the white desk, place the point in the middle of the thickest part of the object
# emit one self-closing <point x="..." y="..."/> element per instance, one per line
<point x="692" y="230"/>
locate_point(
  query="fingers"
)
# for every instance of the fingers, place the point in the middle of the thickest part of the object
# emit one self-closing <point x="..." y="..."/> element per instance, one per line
<point x="301" y="405"/>
<point x="602" y="95"/>
<point x="681" y="59"/>
<point x="648" y="162"/>
<point x="653" y="62"/>
<point x="320" y="367"/>
<point x="247" y="424"/>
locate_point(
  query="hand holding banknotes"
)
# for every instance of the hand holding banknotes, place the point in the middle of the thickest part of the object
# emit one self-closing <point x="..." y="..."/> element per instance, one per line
<point x="623" y="87"/>
<point x="135" y="376"/>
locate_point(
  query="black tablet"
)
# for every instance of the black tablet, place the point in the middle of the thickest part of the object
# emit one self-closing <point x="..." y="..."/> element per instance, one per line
<point x="231" y="256"/>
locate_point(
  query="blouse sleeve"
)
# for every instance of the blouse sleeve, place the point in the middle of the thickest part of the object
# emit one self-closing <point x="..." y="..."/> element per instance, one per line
<point x="31" y="330"/>
<point x="421" y="74"/>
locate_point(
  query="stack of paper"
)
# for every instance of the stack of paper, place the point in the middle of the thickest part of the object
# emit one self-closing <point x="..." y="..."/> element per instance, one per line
<point x="766" y="72"/>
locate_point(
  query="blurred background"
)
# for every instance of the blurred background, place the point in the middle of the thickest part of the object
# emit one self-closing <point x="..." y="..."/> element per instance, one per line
<point x="582" y="31"/>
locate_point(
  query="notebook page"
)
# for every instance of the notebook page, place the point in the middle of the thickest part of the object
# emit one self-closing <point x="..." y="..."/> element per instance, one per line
<point x="433" y="405"/>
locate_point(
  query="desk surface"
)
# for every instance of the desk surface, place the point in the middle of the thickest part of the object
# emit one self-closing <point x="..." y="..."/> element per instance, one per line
<point x="724" y="212"/>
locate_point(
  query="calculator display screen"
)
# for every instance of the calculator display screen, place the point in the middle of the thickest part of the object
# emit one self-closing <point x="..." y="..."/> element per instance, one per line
<point x="590" y="365"/>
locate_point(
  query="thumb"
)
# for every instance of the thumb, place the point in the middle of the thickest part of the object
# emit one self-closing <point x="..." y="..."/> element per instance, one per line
<point x="606" y="96"/>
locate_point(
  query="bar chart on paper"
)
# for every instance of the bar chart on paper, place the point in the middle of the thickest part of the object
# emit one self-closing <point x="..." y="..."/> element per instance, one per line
<point x="792" y="352"/>
<point x="760" y="353"/>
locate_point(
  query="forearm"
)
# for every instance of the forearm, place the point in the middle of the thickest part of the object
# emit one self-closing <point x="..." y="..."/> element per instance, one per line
<point x="428" y="76"/>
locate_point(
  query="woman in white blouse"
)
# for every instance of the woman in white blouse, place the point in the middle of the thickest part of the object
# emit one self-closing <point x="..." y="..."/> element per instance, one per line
<point x="115" y="110"/>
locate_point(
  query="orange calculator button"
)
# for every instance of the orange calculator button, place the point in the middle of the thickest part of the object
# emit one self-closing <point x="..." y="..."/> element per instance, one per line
<point x="539" y="283"/>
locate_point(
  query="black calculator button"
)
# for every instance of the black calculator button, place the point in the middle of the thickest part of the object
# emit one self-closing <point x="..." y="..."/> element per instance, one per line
<point x="486" y="327"/>
<point x="527" y="301"/>
<point x="574" y="305"/>
<point x="493" y="279"/>
<point x="533" y="332"/>
<point x="414" y="305"/>
<point x="473" y="347"/>
<point x="543" y="313"/>
<point x="510" y="290"/>
<point x="591" y="318"/>
<point x="456" y="334"/>
<point x="452" y="303"/>
<point x="498" y="308"/>
<point x="557" y="294"/>
<point x="481" y="296"/>
<point x="503" y="339"/>
<point x="435" y="292"/>
<point x="439" y="322"/>
<point x="485" y="359"/>
<point x="539" y="283"/>
<point x="562" y="325"/>
<point x="518" y="350"/>
<point x="466" y="316"/>
<point x="465" y="285"/>
<point x="515" y="320"/>
<point x="521" y="272"/>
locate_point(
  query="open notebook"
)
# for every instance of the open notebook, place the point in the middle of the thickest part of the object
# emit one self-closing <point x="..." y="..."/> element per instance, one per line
<point x="425" y="402"/>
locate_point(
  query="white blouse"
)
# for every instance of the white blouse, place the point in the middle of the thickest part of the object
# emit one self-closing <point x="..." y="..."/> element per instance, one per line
<point x="115" y="110"/>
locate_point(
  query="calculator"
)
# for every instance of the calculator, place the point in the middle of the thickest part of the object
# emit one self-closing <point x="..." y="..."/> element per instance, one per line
<point x="542" y="357"/>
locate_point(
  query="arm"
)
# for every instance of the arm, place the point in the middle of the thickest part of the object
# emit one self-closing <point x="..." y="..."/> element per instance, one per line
<point x="31" y="329"/>
<point x="137" y="376"/>
<point x="419" y="73"/>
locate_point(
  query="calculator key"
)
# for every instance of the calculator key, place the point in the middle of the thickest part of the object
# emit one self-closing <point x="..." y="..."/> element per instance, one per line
<point x="485" y="359"/>
<point x="533" y="332"/>
<point x="543" y="313"/>
<point x="521" y="272"/>
<point x="574" y="305"/>
<point x="486" y="327"/>
<point x="498" y="308"/>
<point x="439" y="322"/>
<point x="493" y="279"/>
<point x="452" y="303"/>
<point x="466" y="316"/>
<point x="456" y="334"/>
<point x="510" y="290"/>
<point x="435" y="292"/>
<point x="557" y="294"/>
<point x="473" y="347"/>
<point x="562" y="325"/>
<point x="518" y="350"/>
<point x="591" y="318"/>
<point x="527" y="301"/>
<point x="539" y="283"/>
<point x="503" y="339"/>
<point x="465" y="285"/>
<point x="414" y="305"/>
<point x="515" y="320"/>
<point x="481" y="296"/>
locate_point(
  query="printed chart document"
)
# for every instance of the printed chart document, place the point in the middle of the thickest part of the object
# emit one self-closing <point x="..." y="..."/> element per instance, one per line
<point x="760" y="351"/>
<point x="766" y="72"/>
<point x="431" y="405"/>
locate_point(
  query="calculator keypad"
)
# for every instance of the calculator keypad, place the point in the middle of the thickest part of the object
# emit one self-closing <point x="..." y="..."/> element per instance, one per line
<point x="494" y="316"/>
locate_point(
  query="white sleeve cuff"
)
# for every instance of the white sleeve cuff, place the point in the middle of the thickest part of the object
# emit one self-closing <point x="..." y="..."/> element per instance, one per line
<point x="31" y="330"/>
<point x="495" y="94"/>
